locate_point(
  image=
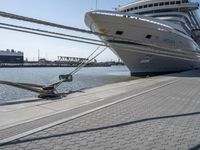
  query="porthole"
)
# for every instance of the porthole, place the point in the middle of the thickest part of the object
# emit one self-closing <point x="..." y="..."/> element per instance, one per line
<point x="119" y="32"/>
<point x="148" y="36"/>
<point x="161" y="4"/>
<point x="172" y="3"/>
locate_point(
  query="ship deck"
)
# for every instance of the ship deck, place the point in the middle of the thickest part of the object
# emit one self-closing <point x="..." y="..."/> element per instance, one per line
<point x="161" y="112"/>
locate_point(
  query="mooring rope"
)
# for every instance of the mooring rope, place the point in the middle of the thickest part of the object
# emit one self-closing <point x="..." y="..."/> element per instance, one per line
<point x="52" y="36"/>
<point x="88" y="61"/>
<point x="85" y="60"/>
<point x="49" y="32"/>
<point x="56" y="84"/>
<point x="37" y="21"/>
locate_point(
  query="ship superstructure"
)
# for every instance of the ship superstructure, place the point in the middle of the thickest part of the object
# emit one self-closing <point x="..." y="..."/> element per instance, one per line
<point x="152" y="36"/>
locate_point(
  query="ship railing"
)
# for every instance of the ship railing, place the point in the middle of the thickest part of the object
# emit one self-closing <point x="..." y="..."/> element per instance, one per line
<point x="136" y="17"/>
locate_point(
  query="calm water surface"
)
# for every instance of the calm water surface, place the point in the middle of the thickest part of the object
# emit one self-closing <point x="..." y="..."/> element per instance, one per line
<point x="86" y="78"/>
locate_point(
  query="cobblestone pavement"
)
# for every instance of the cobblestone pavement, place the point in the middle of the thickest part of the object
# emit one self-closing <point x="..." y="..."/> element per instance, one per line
<point x="166" y="118"/>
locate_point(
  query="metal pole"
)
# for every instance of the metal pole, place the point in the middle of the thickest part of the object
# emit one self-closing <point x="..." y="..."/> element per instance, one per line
<point x="38" y="54"/>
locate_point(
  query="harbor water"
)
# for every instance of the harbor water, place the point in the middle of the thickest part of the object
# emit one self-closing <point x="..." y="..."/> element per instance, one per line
<point x="85" y="78"/>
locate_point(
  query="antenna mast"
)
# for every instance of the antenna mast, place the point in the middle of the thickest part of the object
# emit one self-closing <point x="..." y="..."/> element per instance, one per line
<point x="38" y="54"/>
<point x="96" y="4"/>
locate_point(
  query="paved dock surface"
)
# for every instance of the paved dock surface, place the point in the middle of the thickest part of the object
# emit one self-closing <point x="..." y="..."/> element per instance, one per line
<point x="155" y="113"/>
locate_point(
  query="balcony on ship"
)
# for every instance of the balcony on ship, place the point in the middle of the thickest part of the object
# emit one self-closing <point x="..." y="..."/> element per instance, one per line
<point x="157" y="6"/>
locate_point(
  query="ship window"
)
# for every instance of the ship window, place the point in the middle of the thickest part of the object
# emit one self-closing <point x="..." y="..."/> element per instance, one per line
<point x="147" y="12"/>
<point x="148" y="36"/>
<point x="145" y="6"/>
<point x="178" y="2"/>
<point x="140" y="7"/>
<point x="156" y="4"/>
<point x="136" y="8"/>
<point x="172" y="3"/>
<point x="185" y="1"/>
<point x="167" y="10"/>
<point x="166" y="3"/>
<point x="119" y="32"/>
<point x="150" y="5"/>
<point x="127" y="10"/>
<point x="161" y="4"/>
<point x="131" y="9"/>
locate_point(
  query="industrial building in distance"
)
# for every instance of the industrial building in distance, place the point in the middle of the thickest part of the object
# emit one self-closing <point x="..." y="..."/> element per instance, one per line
<point x="11" y="56"/>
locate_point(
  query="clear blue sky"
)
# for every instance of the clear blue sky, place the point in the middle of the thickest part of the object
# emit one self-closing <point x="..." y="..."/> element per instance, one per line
<point x="67" y="12"/>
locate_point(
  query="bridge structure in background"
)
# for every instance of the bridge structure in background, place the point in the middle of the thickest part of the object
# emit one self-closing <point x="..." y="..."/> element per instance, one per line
<point x="71" y="59"/>
<point x="63" y="59"/>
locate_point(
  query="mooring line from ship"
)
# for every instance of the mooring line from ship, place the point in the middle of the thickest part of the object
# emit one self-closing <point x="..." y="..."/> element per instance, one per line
<point x="85" y="60"/>
<point x="49" y="32"/>
<point x="69" y="77"/>
<point x="53" y="36"/>
<point x="41" y="22"/>
<point x="80" y="65"/>
<point x="75" y="71"/>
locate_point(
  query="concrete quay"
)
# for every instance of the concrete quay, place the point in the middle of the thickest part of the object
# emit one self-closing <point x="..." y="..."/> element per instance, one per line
<point x="161" y="112"/>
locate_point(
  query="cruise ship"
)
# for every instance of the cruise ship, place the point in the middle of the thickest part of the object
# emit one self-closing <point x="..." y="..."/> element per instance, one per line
<point x="11" y="57"/>
<point x="151" y="36"/>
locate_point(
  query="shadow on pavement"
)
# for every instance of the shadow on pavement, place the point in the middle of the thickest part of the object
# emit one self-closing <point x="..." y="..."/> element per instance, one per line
<point x="101" y="128"/>
<point x="197" y="147"/>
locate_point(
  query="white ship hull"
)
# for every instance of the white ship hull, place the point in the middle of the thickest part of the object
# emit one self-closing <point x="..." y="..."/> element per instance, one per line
<point x="165" y="50"/>
<point x="141" y="64"/>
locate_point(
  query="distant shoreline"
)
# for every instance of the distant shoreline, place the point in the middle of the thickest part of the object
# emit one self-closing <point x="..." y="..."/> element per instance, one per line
<point x="47" y="65"/>
<point x="50" y="66"/>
